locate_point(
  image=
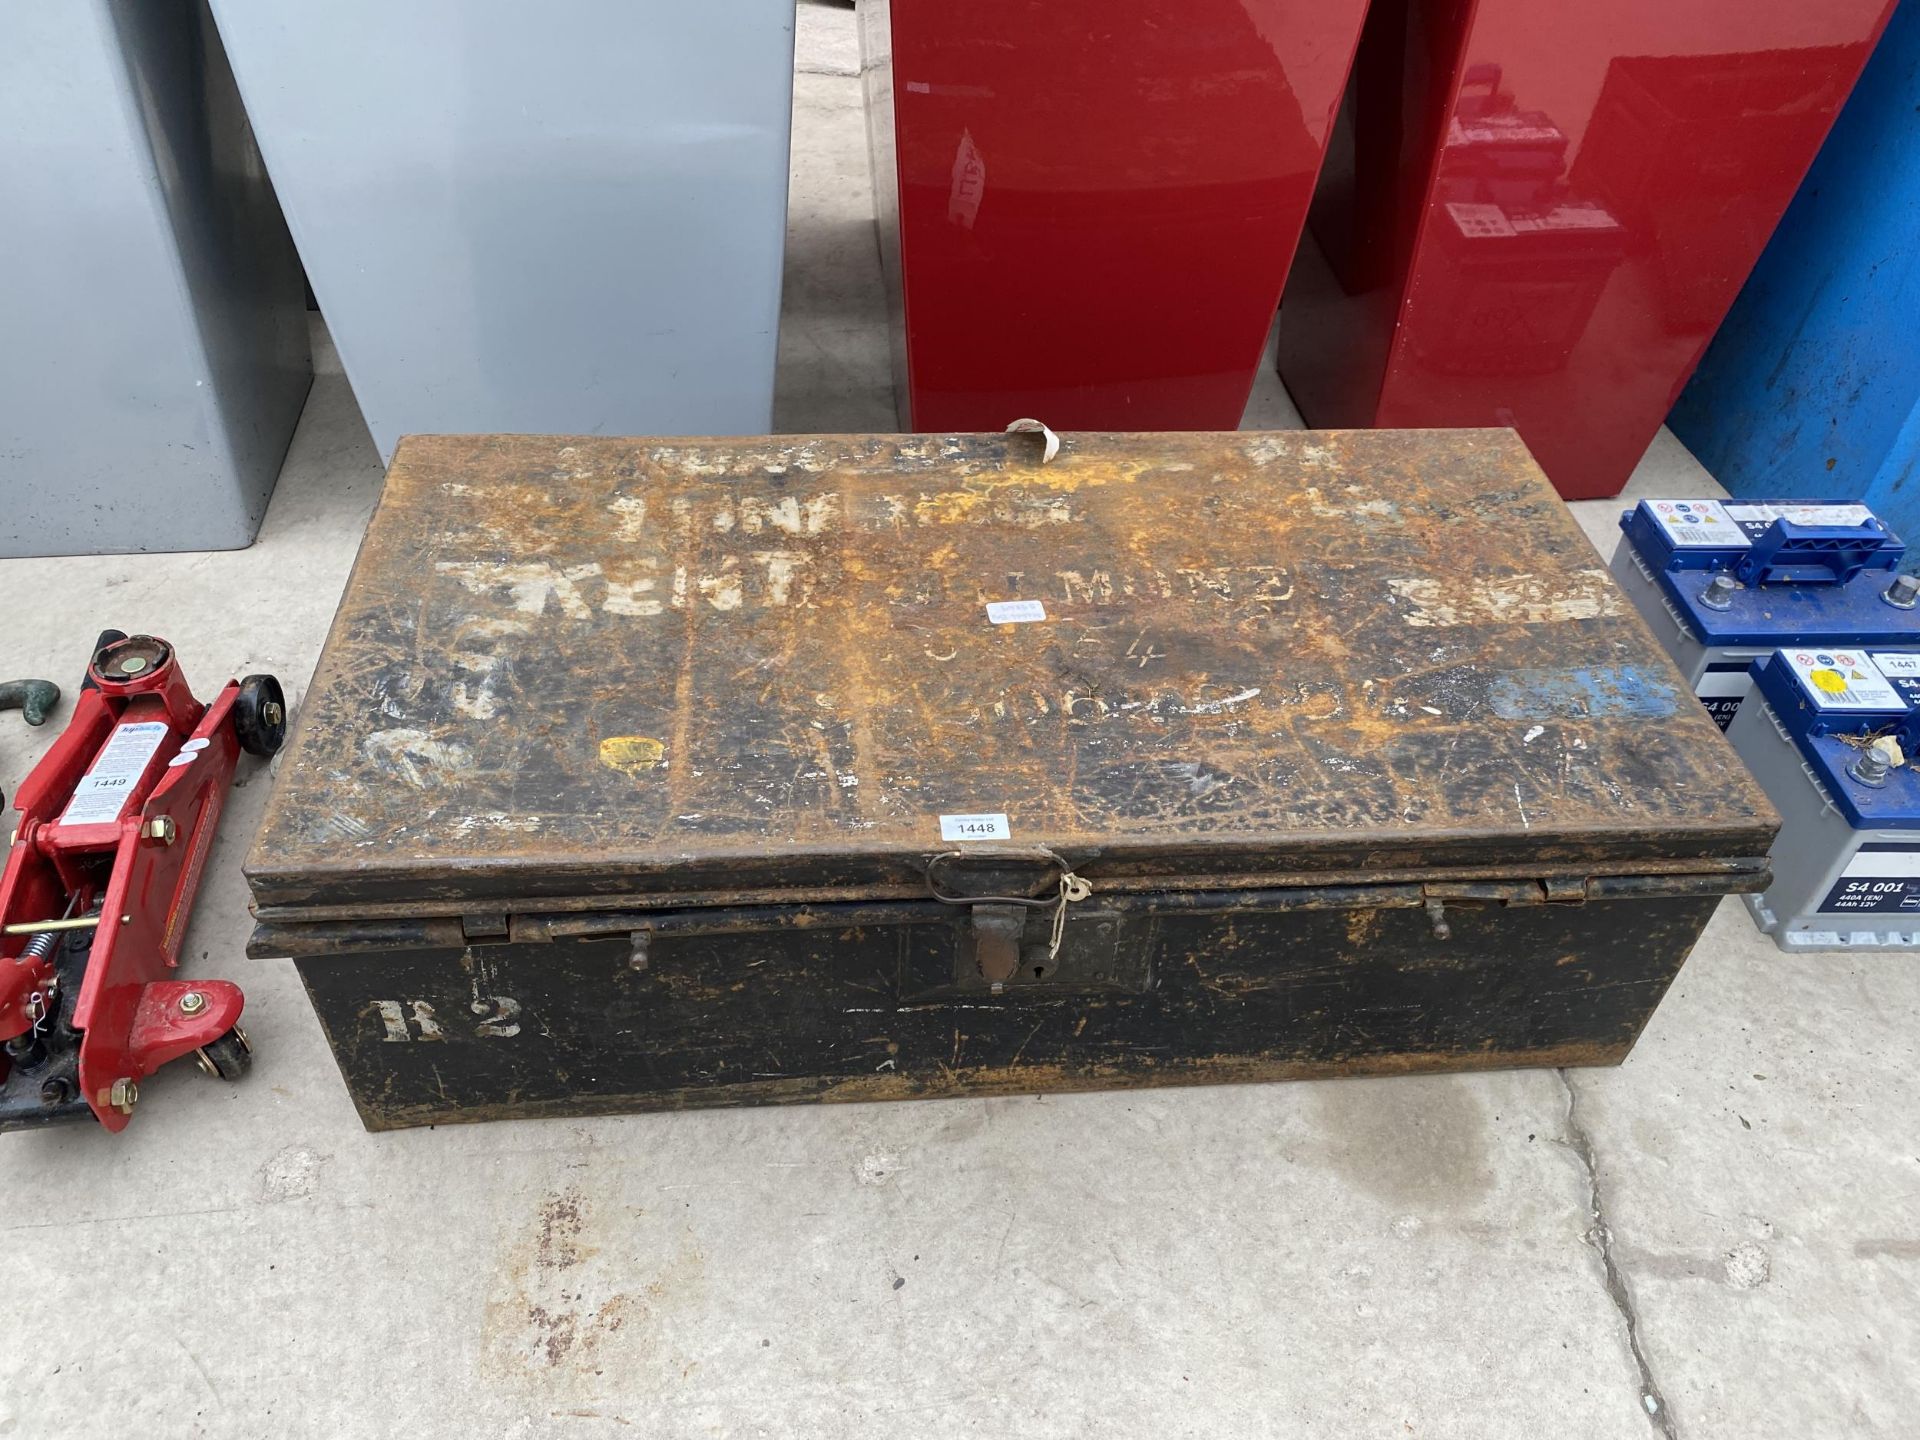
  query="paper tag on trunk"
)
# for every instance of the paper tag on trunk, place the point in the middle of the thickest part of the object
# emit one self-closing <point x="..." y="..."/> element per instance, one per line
<point x="1015" y="612"/>
<point x="975" y="827"/>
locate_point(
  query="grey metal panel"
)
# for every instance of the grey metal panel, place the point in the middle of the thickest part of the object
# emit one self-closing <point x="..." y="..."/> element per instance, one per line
<point x="153" y="352"/>
<point x="559" y="218"/>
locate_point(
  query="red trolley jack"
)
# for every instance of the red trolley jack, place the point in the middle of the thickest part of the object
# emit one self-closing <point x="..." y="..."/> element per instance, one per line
<point x="115" y="824"/>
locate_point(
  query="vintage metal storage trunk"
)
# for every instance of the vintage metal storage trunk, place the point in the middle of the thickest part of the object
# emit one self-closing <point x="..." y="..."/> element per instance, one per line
<point x="642" y="774"/>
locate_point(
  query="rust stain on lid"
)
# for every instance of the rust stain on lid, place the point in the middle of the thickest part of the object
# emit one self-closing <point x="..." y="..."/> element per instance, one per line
<point x="1284" y="653"/>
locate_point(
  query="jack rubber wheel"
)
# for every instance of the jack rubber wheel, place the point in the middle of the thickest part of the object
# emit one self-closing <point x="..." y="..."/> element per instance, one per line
<point x="260" y="716"/>
<point x="227" y="1058"/>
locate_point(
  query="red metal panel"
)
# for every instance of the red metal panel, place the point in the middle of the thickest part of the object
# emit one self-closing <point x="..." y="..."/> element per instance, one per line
<point x="1097" y="203"/>
<point x="1536" y="212"/>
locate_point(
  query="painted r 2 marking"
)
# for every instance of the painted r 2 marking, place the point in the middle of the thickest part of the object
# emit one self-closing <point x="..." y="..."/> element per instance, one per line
<point x="406" y="1021"/>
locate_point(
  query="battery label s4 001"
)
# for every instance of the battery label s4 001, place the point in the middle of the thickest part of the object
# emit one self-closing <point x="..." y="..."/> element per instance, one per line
<point x="1882" y="875"/>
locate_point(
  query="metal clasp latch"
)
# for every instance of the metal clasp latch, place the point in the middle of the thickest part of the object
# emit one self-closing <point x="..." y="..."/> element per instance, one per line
<point x="997" y="930"/>
<point x="999" y="920"/>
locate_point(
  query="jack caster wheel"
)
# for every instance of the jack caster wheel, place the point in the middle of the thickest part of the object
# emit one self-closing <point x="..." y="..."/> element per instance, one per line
<point x="227" y="1058"/>
<point x="260" y="716"/>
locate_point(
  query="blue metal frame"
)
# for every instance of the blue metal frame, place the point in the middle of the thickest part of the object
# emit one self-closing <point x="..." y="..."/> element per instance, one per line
<point x="1812" y="386"/>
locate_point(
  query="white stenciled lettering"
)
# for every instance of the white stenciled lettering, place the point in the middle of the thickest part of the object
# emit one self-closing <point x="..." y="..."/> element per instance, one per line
<point x="1248" y="586"/>
<point x="1028" y="707"/>
<point x="781" y="567"/>
<point x="790" y="515"/>
<point x="531" y="585"/>
<point x="402" y="1022"/>
<point x="723" y="589"/>
<point x="632" y="597"/>
<point x="1029" y="511"/>
<point x="1084" y="589"/>
<point x="630" y="516"/>
<point x="476" y="700"/>
<point x="501" y="1016"/>
<point x="541" y="587"/>
<point x="392" y="1019"/>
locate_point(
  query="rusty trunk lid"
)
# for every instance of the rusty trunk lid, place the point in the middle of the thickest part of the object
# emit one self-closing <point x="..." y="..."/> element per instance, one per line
<point x="600" y="674"/>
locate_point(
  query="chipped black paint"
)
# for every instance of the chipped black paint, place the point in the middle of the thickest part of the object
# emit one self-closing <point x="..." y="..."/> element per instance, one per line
<point x="870" y="1013"/>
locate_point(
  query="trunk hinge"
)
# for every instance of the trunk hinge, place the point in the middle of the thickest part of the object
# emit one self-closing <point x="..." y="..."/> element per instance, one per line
<point x="484" y="927"/>
<point x="1554" y="890"/>
<point x="494" y="927"/>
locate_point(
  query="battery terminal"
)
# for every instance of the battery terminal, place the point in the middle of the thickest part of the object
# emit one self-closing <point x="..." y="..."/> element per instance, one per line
<point x="1877" y="761"/>
<point x="1720" y="592"/>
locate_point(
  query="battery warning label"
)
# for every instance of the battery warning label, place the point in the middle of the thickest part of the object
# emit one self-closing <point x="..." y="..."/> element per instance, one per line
<point x="1880" y="876"/>
<point x="1698" y="522"/>
<point x="1842" y="680"/>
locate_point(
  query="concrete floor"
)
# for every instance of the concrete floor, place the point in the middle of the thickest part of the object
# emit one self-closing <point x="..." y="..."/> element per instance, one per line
<point x="1721" y="1238"/>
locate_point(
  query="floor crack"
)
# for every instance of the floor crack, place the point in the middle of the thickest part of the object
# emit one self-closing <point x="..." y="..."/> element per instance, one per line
<point x="1600" y="1237"/>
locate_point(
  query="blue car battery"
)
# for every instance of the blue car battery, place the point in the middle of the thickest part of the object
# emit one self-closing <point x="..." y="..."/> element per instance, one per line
<point x="1828" y="732"/>
<point x="1725" y="583"/>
